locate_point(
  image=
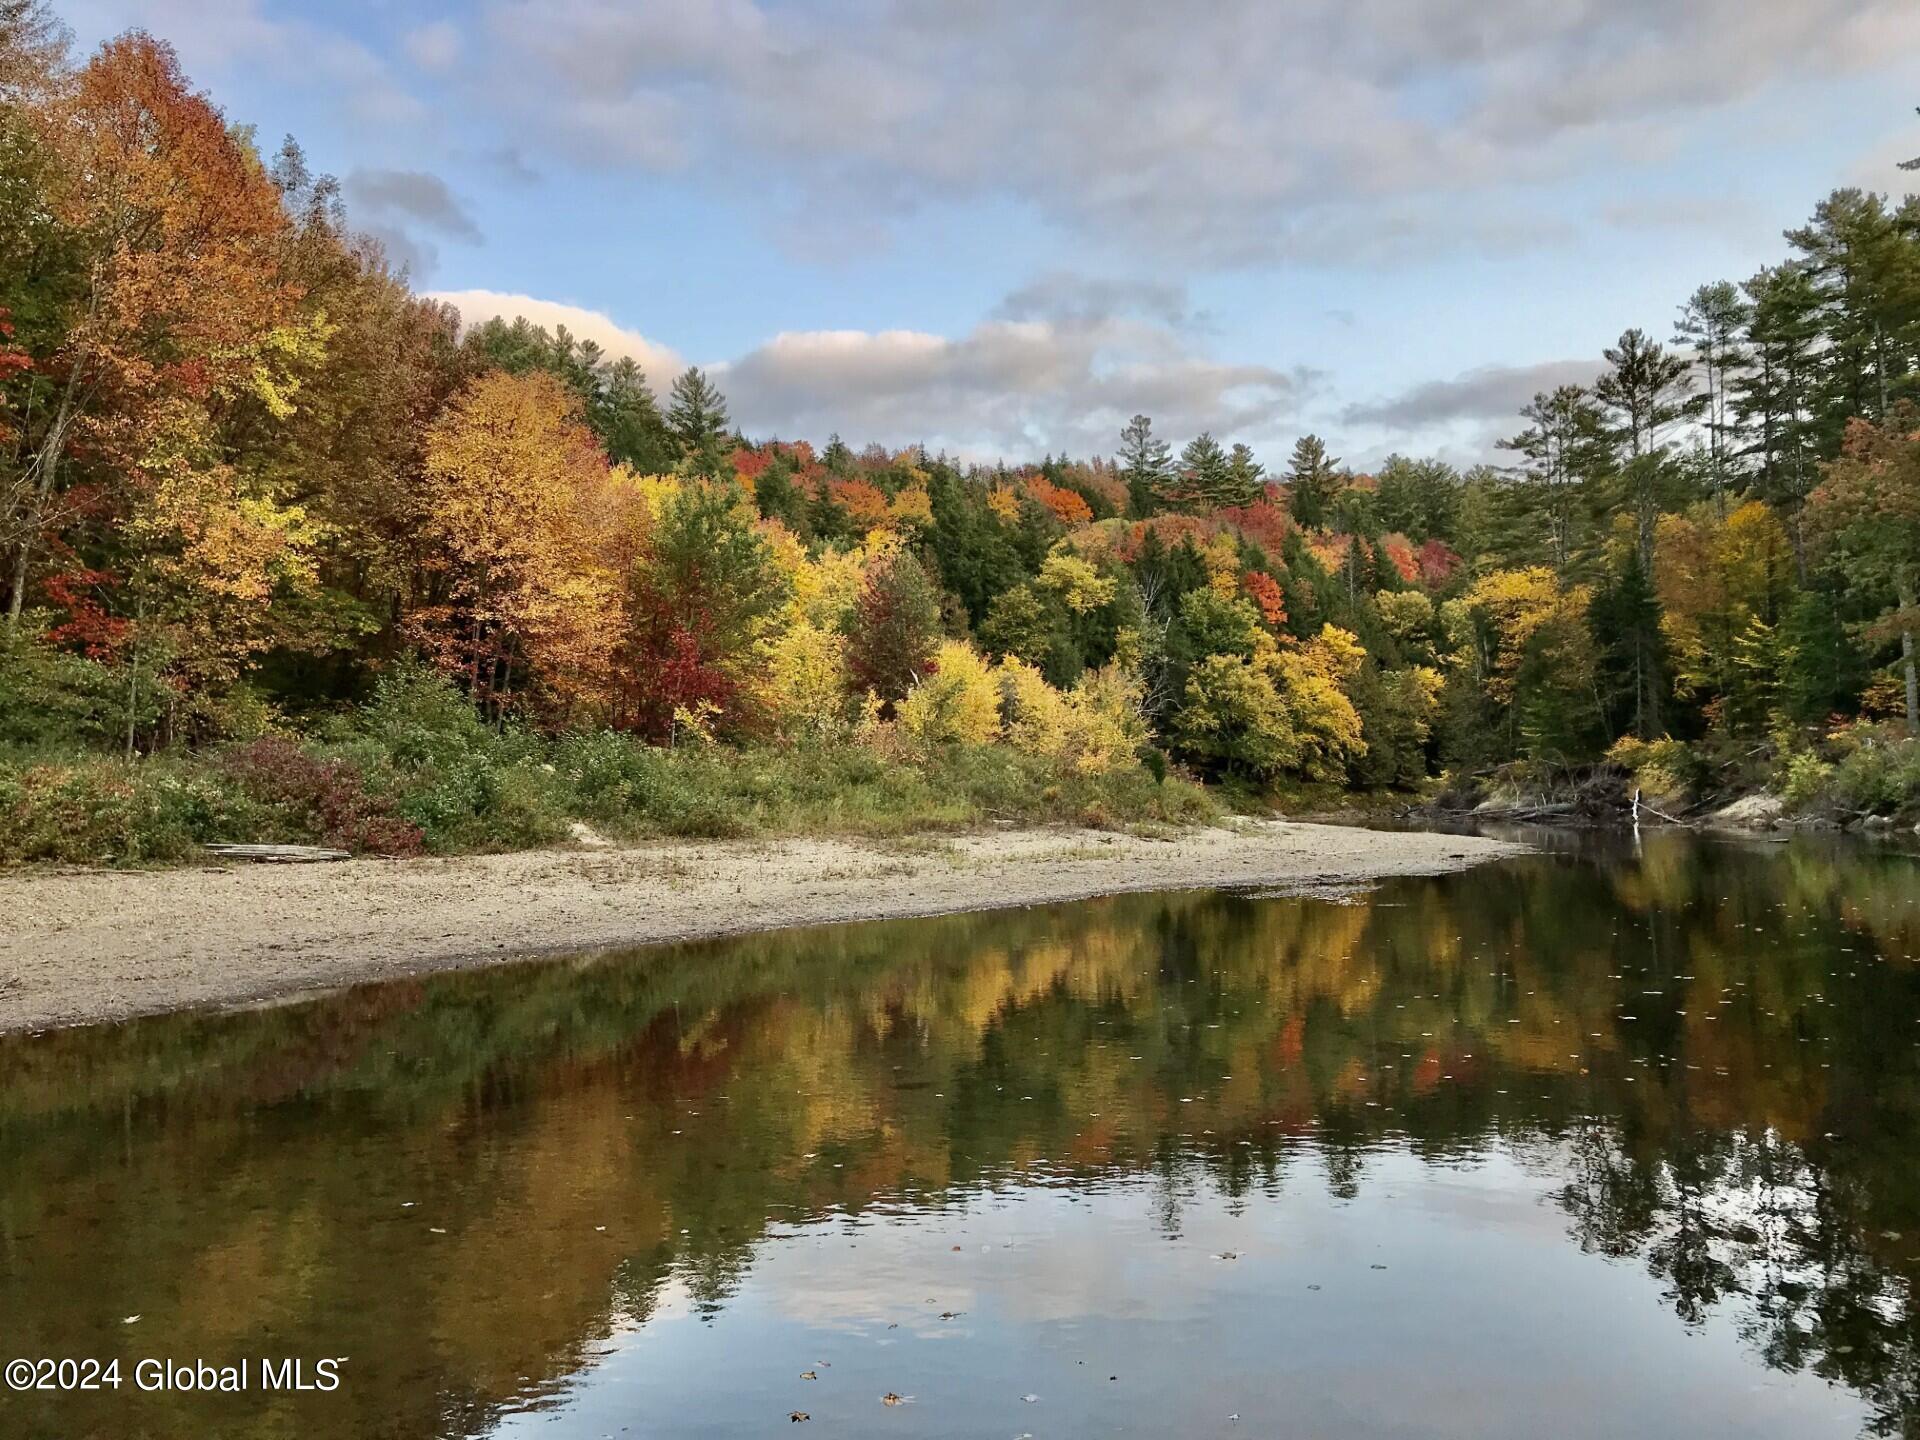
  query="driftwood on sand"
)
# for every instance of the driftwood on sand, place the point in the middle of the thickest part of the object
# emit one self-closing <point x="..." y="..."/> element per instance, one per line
<point x="278" y="854"/>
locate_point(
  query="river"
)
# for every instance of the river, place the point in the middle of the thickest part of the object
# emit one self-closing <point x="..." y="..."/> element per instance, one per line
<point x="1620" y="1140"/>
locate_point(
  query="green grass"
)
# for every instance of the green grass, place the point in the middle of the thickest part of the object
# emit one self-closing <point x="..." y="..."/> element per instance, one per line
<point x="417" y="770"/>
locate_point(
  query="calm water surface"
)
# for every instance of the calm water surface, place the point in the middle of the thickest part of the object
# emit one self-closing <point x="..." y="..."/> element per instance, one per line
<point x="1607" y="1144"/>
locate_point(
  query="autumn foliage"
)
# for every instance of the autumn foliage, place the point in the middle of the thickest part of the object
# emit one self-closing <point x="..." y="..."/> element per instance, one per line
<point x="248" y="477"/>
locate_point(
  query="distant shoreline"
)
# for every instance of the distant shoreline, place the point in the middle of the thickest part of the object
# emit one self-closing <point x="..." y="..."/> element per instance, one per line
<point x="90" y="947"/>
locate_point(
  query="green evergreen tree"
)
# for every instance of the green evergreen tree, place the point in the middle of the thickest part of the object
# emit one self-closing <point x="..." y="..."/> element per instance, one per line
<point x="1630" y="650"/>
<point x="1774" y="398"/>
<point x="1713" y="323"/>
<point x="1643" y="392"/>
<point x="1563" y="448"/>
<point x="623" y="414"/>
<point x="977" y="559"/>
<point x="1145" y="463"/>
<point x="1822" y="671"/>
<point x="1418" y="498"/>
<point x="1313" y="479"/>
<point x="697" y="416"/>
<point x="778" y="498"/>
<point x="1246" y="476"/>
<point x="1204" y="479"/>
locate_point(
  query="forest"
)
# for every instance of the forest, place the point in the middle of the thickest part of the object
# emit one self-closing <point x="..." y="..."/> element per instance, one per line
<point x="289" y="553"/>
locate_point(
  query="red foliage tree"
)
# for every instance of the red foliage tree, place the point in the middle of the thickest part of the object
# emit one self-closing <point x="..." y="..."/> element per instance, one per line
<point x="1069" y="507"/>
<point x="1266" y="594"/>
<point x="1437" y="562"/>
<point x="1262" y="522"/>
<point x="1400" y="554"/>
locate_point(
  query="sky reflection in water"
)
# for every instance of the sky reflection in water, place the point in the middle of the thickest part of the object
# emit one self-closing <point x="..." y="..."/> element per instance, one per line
<point x="1601" y="1144"/>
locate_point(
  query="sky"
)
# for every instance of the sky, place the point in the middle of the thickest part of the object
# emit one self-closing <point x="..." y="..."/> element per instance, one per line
<point x="1002" y="227"/>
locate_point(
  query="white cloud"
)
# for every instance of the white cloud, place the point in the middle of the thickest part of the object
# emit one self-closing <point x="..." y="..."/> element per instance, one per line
<point x="1009" y="388"/>
<point x="1463" y="419"/>
<point x="660" y="362"/>
<point x="1229" y="135"/>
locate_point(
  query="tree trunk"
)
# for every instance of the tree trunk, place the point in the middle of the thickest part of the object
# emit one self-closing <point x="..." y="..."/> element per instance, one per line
<point x="46" y="466"/>
<point x="1906" y="656"/>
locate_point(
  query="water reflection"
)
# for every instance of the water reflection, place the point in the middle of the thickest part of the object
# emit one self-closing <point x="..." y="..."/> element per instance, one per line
<point x="1599" y="1143"/>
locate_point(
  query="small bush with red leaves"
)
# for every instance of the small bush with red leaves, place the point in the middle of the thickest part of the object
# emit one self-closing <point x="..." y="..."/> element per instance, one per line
<point x="324" y="800"/>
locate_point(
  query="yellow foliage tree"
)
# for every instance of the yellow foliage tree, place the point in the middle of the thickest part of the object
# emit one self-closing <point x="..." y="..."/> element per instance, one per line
<point x="1716" y="577"/>
<point x="959" y="703"/>
<point x="1109" y="706"/>
<point x="511" y="485"/>
<point x="1522" y="607"/>
<point x="1312" y="680"/>
<point x="1039" y="721"/>
<point x="1280" y="711"/>
<point x="806" y="682"/>
<point x="1080" y="587"/>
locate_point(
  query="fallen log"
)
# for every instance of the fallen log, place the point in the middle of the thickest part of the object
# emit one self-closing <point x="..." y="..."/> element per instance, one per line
<point x="279" y="854"/>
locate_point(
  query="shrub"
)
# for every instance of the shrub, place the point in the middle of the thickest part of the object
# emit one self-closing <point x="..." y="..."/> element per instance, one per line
<point x="99" y="811"/>
<point x="957" y="704"/>
<point x="1881" y="777"/>
<point x="464" y="784"/>
<point x="417" y="717"/>
<point x="483" y="800"/>
<point x="1806" y="777"/>
<point x="50" y="697"/>
<point x="1663" y="769"/>
<point x="304" y="797"/>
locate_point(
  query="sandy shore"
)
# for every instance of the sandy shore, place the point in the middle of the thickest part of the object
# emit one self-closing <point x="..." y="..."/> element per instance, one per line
<point x="78" y="948"/>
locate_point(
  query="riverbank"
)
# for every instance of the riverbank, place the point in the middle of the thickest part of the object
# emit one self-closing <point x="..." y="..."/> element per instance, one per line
<point x="1864" y="779"/>
<point x="86" y="947"/>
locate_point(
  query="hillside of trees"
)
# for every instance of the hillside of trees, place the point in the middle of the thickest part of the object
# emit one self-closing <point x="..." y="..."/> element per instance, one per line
<point x="286" y="550"/>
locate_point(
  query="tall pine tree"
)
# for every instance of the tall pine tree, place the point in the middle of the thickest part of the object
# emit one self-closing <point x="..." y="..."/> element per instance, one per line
<point x="697" y="415"/>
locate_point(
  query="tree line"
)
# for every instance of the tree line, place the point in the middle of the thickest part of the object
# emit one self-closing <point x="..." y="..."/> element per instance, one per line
<point x="245" y="471"/>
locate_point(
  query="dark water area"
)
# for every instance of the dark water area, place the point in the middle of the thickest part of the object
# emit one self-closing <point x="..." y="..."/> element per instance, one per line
<point x="1619" y="1141"/>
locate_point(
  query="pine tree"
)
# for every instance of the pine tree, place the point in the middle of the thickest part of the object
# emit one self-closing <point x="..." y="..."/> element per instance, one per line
<point x="1145" y="462"/>
<point x="1821" y="672"/>
<point x="1865" y="275"/>
<point x="1632" y="670"/>
<point x="1713" y="322"/>
<point x="1204" y="479"/>
<point x="1247" y="476"/>
<point x="1774" y="397"/>
<point x="1643" y="392"/>
<point x="1562" y="447"/>
<point x="697" y="416"/>
<point x="1418" y="498"/>
<point x="778" y="498"/>
<point x="1313" y="479"/>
